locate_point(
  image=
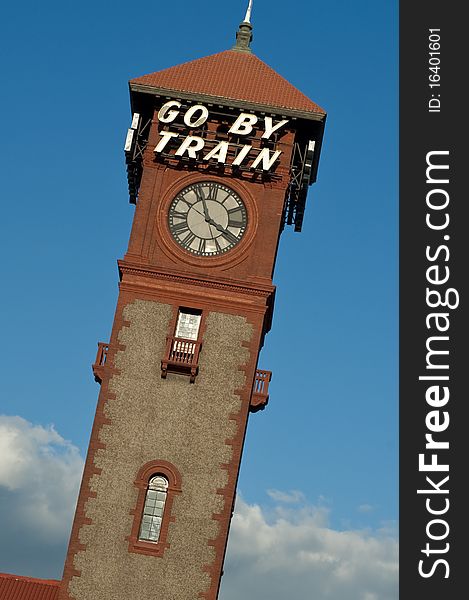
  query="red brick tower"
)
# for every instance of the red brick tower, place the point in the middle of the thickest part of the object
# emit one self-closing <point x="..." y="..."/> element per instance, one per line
<point x="219" y="155"/>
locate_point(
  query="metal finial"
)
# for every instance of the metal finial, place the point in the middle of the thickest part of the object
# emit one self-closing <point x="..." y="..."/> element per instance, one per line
<point x="244" y="34"/>
<point x="247" y="18"/>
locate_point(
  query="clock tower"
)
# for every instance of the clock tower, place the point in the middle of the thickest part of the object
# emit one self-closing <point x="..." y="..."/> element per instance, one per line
<point x="220" y="154"/>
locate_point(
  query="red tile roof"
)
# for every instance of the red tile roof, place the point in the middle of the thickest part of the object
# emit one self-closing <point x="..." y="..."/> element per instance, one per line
<point x="231" y="75"/>
<point x="14" y="587"/>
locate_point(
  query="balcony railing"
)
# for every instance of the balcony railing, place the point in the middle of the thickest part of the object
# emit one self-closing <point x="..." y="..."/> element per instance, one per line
<point x="182" y="356"/>
<point x="98" y="366"/>
<point x="260" y="390"/>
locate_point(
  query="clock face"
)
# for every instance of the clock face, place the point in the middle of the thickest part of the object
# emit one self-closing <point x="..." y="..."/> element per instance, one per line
<point x="207" y="218"/>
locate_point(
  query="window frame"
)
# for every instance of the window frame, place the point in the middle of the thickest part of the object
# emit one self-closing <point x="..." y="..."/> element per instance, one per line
<point x="184" y="310"/>
<point x="144" y="475"/>
<point x="158" y="484"/>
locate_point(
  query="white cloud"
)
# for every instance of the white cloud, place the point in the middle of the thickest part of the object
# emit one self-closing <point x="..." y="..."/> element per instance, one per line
<point x="40" y="474"/>
<point x="296" y="555"/>
<point x="291" y="497"/>
<point x="290" y="553"/>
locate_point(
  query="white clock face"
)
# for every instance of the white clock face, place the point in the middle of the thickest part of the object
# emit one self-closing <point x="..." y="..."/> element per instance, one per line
<point x="207" y="219"/>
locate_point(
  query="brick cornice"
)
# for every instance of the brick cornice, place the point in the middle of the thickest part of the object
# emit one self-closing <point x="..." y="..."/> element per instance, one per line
<point x="259" y="289"/>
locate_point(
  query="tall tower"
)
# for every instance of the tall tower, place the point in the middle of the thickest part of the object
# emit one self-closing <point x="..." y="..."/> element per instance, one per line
<point x="220" y="154"/>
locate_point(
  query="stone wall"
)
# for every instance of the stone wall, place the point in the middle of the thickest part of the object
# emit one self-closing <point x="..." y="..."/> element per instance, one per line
<point x="162" y="419"/>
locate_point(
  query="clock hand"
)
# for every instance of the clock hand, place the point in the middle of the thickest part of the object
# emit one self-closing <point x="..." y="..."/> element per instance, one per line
<point x="206" y="220"/>
<point x="204" y="204"/>
<point x="211" y="230"/>
<point x="198" y="211"/>
<point x="225" y="232"/>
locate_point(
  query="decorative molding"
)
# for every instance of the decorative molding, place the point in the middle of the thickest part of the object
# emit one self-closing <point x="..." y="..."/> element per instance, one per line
<point x="126" y="267"/>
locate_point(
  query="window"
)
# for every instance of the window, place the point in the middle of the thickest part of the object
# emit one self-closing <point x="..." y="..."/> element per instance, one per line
<point x="183" y="347"/>
<point x="153" y="510"/>
<point x="188" y="324"/>
<point x="157" y="482"/>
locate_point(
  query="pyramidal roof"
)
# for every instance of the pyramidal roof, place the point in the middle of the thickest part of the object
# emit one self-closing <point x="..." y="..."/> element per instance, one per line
<point x="235" y="76"/>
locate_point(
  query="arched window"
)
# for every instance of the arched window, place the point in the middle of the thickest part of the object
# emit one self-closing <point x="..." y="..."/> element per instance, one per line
<point x="153" y="509"/>
<point x="157" y="482"/>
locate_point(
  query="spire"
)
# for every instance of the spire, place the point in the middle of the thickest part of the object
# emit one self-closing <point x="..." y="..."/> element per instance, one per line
<point x="244" y="33"/>
<point x="247" y="18"/>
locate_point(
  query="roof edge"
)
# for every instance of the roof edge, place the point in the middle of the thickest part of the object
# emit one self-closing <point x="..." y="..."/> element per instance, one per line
<point x="53" y="582"/>
<point x="223" y="100"/>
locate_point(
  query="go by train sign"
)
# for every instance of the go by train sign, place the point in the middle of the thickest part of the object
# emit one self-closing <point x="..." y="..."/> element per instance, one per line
<point x="182" y="145"/>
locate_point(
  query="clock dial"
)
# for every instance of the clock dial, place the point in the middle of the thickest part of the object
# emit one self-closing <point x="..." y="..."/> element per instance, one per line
<point x="207" y="218"/>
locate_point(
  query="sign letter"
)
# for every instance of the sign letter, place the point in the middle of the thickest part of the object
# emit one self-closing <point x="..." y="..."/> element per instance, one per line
<point x="165" y="137"/>
<point x="269" y="128"/>
<point x="242" y="155"/>
<point x="266" y="159"/>
<point x="197" y="120"/>
<point x="166" y="115"/>
<point x="243" y="124"/>
<point x="219" y="152"/>
<point x="192" y="144"/>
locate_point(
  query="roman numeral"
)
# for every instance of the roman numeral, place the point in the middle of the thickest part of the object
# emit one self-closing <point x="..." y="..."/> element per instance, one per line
<point x="235" y="217"/>
<point x="201" y="245"/>
<point x="190" y="237"/>
<point x="182" y="199"/>
<point x="229" y="236"/>
<point x="180" y="227"/>
<point x="178" y="215"/>
<point x="199" y="193"/>
<point x="212" y="192"/>
<point x="237" y="224"/>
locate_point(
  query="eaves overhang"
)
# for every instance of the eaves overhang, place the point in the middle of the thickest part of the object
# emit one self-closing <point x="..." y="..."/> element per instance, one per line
<point x="232" y="102"/>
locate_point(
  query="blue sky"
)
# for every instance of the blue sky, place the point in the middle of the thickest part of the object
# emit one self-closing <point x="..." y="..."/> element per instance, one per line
<point x="328" y="438"/>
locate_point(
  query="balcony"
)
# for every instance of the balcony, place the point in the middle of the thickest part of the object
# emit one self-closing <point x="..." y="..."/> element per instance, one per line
<point x="181" y="356"/>
<point x="260" y="390"/>
<point x="99" y="363"/>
